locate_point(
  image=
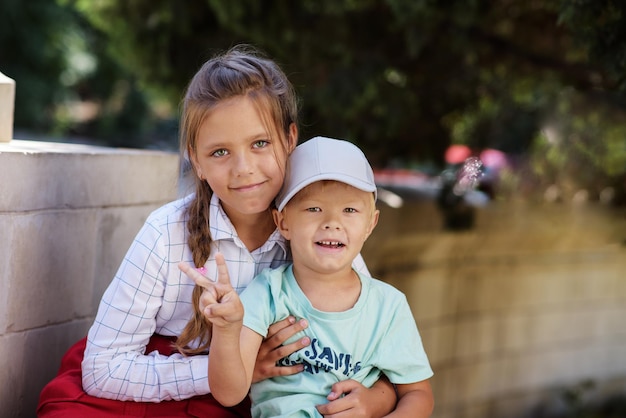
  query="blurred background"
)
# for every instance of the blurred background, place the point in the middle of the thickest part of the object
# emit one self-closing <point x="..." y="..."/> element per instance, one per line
<point x="497" y="129"/>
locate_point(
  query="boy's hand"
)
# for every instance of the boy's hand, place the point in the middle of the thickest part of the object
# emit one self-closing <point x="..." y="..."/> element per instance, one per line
<point x="219" y="301"/>
<point x="350" y="398"/>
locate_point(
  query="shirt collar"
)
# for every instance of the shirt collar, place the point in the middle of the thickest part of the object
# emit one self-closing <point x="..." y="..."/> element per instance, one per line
<point x="222" y="229"/>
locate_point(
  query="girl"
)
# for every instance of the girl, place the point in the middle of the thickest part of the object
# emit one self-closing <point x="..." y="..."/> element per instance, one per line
<point x="238" y="125"/>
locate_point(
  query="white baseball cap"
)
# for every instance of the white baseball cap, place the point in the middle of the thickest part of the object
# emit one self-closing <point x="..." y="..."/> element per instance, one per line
<point x="323" y="158"/>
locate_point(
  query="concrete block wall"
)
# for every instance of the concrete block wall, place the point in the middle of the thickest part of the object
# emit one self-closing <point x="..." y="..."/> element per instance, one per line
<point x="67" y="216"/>
<point x="528" y="304"/>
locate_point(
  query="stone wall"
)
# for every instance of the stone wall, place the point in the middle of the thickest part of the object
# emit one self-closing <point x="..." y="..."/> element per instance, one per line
<point x="68" y="213"/>
<point x="528" y="304"/>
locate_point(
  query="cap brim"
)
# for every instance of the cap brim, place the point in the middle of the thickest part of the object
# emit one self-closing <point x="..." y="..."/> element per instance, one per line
<point x="340" y="177"/>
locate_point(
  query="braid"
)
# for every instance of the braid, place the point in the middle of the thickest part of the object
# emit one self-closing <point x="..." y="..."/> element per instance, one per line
<point x="199" y="242"/>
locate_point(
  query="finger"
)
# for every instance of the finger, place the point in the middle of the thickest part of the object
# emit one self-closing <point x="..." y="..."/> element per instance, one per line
<point x="343" y="387"/>
<point x="222" y="269"/>
<point x="346" y="397"/>
<point x="285" y="350"/>
<point x="273" y="346"/>
<point x="283" y="334"/>
<point x="343" y="406"/>
<point x="207" y="298"/>
<point x="226" y="311"/>
<point x="266" y="370"/>
<point x="337" y="401"/>
<point x="287" y="370"/>
<point x="194" y="275"/>
<point x="334" y="407"/>
<point x="277" y="326"/>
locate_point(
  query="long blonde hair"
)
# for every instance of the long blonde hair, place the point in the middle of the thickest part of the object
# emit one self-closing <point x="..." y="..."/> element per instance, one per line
<point x="241" y="71"/>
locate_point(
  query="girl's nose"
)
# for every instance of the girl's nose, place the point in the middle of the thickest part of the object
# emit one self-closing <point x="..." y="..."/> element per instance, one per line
<point x="243" y="165"/>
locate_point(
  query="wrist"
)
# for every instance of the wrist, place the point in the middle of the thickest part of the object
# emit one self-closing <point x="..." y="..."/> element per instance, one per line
<point x="229" y="329"/>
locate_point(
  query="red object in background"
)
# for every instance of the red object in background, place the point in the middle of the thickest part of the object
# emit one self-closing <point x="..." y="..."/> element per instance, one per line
<point x="493" y="159"/>
<point x="456" y="154"/>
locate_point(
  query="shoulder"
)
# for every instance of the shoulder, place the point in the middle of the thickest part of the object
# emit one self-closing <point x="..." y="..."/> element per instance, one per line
<point x="383" y="290"/>
<point x="170" y="212"/>
<point x="165" y="223"/>
<point x="270" y="277"/>
<point x="269" y="282"/>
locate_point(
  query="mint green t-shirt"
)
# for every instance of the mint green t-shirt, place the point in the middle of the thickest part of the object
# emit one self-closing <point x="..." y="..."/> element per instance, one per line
<point x="377" y="335"/>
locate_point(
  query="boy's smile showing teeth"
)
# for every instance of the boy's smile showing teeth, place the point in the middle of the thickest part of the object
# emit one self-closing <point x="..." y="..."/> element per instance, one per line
<point x="333" y="244"/>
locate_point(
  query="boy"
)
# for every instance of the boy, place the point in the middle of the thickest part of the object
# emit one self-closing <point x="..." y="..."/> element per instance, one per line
<point x="359" y="327"/>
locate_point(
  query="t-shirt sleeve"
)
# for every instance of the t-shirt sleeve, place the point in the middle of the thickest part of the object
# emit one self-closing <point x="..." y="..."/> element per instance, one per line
<point x="402" y="356"/>
<point x="257" y="303"/>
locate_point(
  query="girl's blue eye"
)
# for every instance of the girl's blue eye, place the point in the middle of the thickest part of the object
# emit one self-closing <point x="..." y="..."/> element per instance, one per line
<point x="261" y="143"/>
<point x="220" y="153"/>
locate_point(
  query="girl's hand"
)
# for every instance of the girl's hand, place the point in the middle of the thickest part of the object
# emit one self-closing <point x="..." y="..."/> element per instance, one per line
<point x="219" y="301"/>
<point x="359" y="401"/>
<point x="272" y="350"/>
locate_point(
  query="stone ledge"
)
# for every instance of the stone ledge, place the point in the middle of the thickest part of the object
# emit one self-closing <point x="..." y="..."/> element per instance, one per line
<point x="44" y="175"/>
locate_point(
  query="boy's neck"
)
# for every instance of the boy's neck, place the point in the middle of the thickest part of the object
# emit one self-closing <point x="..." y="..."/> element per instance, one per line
<point x="336" y="292"/>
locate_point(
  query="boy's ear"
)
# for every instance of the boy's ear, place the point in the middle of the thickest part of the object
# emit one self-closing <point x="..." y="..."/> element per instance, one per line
<point x="373" y="223"/>
<point x="281" y="224"/>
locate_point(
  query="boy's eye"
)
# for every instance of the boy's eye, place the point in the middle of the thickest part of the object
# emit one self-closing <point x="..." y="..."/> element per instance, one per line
<point x="261" y="143"/>
<point x="219" y="153"/>
<point x="350" y="210"/>
<point x="315" y="209"/>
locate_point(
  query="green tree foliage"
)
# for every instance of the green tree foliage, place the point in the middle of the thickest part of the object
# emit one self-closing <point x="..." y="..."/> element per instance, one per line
<point x="63" y="71"/>
<point x="600" y="26"/>
<point x="403" y="78"/>
<point x="32" y="38"/>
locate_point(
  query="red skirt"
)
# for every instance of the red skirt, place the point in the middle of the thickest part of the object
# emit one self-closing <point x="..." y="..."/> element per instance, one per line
<point x="64" y="395"/>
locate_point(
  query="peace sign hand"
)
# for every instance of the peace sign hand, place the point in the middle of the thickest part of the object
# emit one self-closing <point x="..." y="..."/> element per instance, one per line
<point x="219" y="302"/>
